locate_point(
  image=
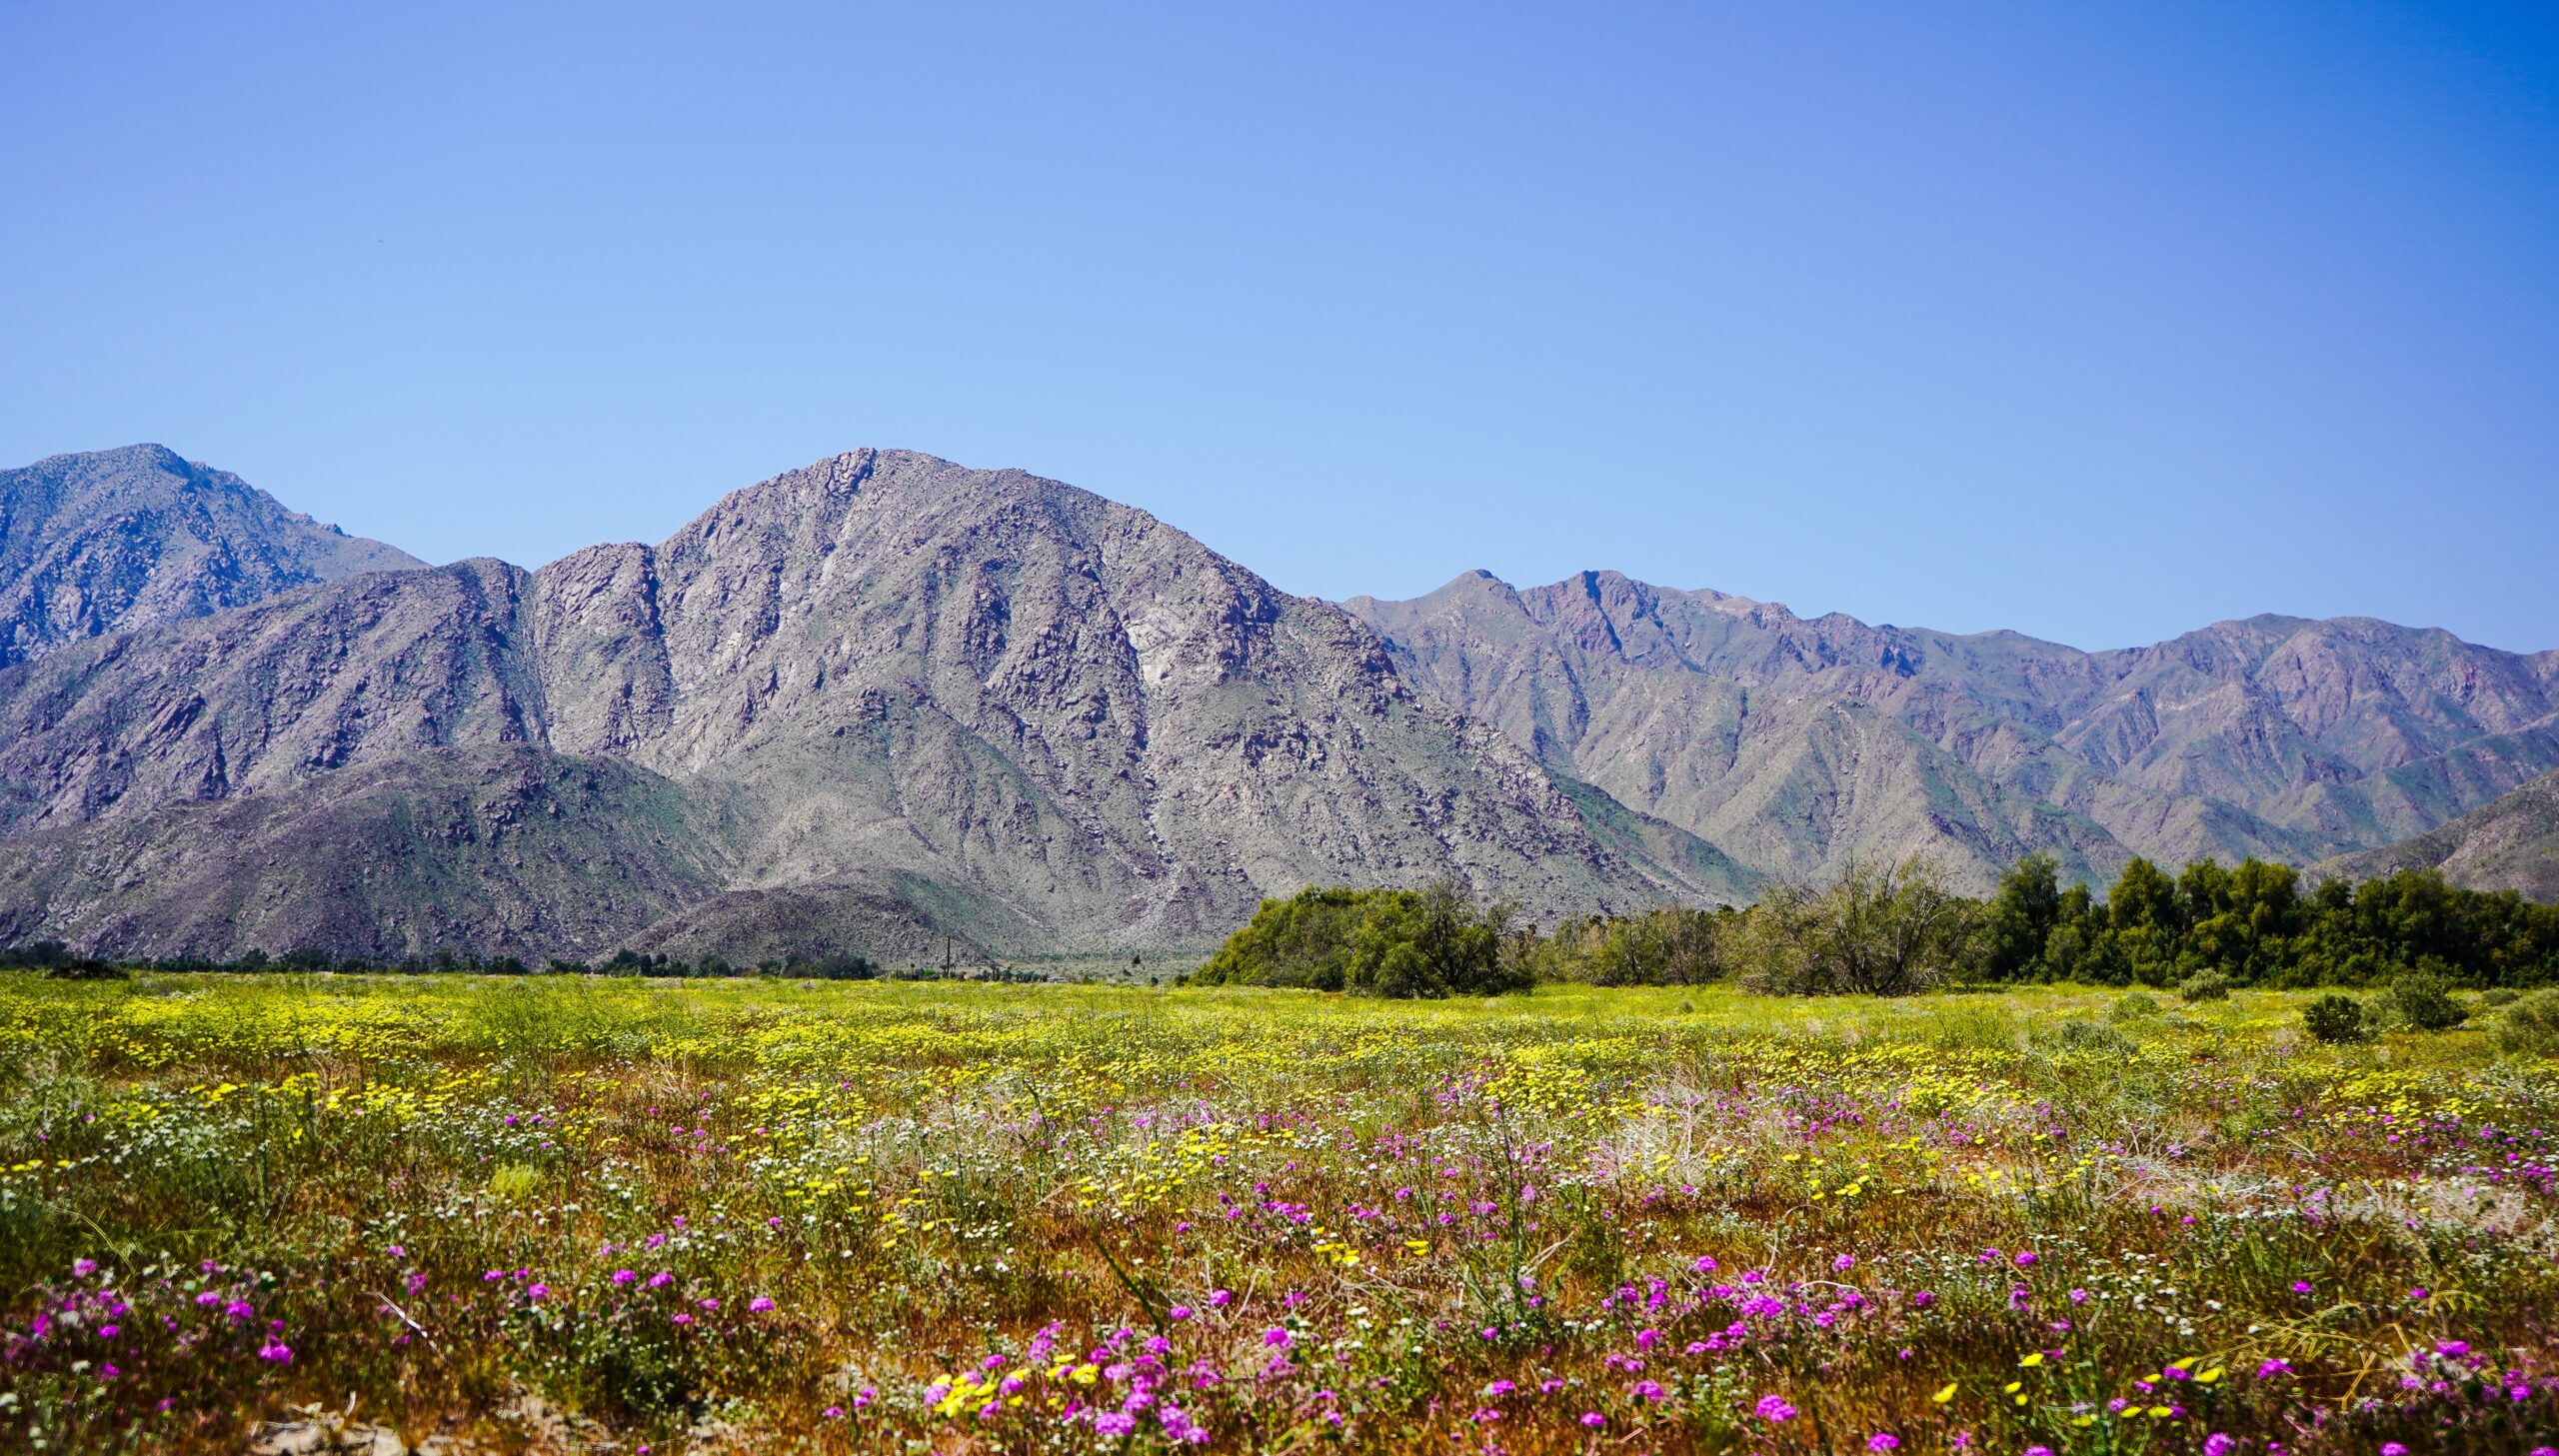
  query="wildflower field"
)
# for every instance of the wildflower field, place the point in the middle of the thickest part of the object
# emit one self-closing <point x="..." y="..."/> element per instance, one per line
<point x="479" y="1214"/>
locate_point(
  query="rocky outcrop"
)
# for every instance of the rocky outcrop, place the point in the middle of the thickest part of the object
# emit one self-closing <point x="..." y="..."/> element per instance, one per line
<point x="122" y="539"/>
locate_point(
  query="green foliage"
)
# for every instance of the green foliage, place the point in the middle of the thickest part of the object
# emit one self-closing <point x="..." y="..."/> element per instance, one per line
<point x="2336" y="1020"/>
<point x="2093" y="1036"/>
<point x="1397" y="943"/>
<point x="2204" y="985"/>
<point x="2422" y="1002"/>
<point x="2133" y="1006"/>
<point x="2145" y="898"/>
<point x="1874" y="931"/>
<point x="515" y="1183"/>
<point x="2531" y="1024"/>
<point x="1676" y="946"/>
<point x="2496" y="996"/>
<point x="2021" y="917"/>
<point x="2252" y="926"/>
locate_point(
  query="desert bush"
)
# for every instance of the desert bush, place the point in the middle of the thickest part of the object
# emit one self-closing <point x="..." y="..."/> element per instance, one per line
<point x="2204" y="985"/>
<point x="2421" y="1002"/>
<point x="2531" y="1023"/>
<point x="2336" y="1020"/>
<point x="2133" y="1006"/>
<point x="2095" y="1036"/>
<point x="2497" y="996"/>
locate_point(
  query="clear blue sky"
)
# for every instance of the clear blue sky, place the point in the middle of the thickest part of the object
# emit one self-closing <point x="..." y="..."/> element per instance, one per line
<point x="2097" y="322"/>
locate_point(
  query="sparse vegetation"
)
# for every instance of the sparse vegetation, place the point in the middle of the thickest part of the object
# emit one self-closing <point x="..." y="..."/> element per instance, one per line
<point x="2204" y="985"/>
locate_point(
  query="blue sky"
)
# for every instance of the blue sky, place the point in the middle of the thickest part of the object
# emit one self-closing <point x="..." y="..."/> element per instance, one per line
<point x="2101" y="323"/>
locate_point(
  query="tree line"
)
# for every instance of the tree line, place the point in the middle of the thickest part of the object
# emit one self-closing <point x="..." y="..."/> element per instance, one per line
<point x="1890" y="930"/>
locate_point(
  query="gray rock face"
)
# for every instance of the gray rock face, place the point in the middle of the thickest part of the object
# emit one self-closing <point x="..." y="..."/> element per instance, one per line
<point x="1795" y="743"/>
<point x="121" y="539"/>
<point x="937" y="699"/>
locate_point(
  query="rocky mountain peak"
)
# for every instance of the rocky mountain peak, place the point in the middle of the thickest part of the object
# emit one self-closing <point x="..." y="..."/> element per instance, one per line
<point x="117" y="539"/>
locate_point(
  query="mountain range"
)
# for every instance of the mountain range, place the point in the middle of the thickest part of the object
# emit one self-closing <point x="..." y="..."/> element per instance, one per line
<point x="886" y="699"/>
<point x="1796" y="743"/>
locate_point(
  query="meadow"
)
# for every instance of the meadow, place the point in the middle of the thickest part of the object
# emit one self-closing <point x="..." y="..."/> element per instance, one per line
<point x="468" y="1215"/>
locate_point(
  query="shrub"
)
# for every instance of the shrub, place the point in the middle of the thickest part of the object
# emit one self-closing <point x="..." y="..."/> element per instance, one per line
<point x="88" y="970"/>
<point x="2095" y="1036"/>
<point x="2204" y="985"/>
<point x="1878" y="933"/>
<point x="2133" y="1006"/>
<point x="2531" y="1023"/>
<point x="2335" y="1020"/>
<point x="2422" y="1002"/>
<point x="1373" y="942"/>
<point x="2500" y="996"/>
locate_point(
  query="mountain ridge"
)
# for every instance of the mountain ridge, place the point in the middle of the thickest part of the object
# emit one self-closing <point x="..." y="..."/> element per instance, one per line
<point x="2313" y="735"/>
<point x="882" y="699"/>
<point x="1074" y="724"/>
<point x="2510" y="843"/>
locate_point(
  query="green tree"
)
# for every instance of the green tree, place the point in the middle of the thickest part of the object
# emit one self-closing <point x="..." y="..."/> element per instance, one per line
<point x="1884" y="932"/>
<point x="1373" y="942"/>
<point x="2144" y="898"/>
<point x="2020" y="920"/>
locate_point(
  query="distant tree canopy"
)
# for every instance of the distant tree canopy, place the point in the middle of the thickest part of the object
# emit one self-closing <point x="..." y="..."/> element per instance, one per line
<point x="1372" y="942"/>
<point x="2255" y="925"/>
<point x="1673" y="946"/>
<point x="1894" y="929"/>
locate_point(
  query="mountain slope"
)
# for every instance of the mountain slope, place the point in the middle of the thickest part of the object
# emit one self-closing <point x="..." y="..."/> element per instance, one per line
<point x="117" y="539"/>
<point x="502" y="850"/>
<point x="2509" y="843"/>
<point x="976" y="700"/>
<point x="1796" y="743"/>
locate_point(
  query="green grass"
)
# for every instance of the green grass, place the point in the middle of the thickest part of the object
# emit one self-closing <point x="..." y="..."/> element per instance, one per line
<point x="1440" y="1225"/>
